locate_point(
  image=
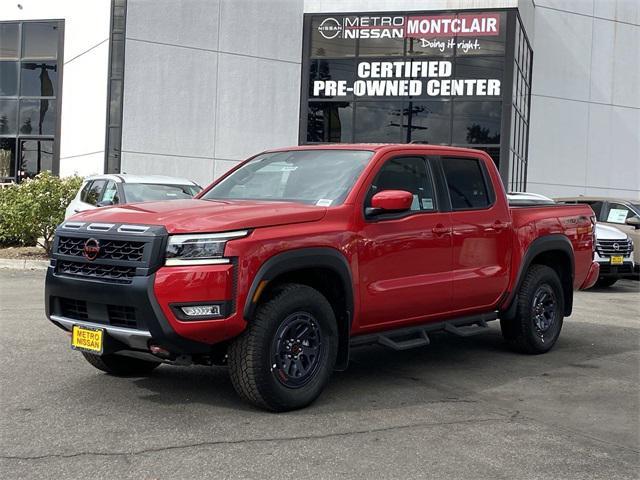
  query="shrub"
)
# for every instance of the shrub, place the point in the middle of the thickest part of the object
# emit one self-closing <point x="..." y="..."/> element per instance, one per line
<point x="31" y="210"/>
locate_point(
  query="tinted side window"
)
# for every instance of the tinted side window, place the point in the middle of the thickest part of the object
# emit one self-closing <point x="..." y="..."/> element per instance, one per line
<point x="466" y="183"/>
<point x="94" y="192"/>
<point x="409" y="174"/>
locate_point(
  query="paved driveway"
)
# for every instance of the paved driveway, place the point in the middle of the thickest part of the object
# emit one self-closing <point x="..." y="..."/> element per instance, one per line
<point x="461" y="408"/>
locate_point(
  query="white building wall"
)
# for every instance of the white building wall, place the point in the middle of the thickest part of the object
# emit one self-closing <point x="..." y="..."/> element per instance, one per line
<point x="209" y="84"/>
<point x="84" y="76"/>
<point x="585" y="106"/>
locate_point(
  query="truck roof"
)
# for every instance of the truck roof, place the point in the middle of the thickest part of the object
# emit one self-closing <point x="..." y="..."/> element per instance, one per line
<point x="376" y="147"/>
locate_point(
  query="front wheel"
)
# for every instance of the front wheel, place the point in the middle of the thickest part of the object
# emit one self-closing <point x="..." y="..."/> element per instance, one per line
<point x="285" y="357"/>
<point x="540" y="312"/>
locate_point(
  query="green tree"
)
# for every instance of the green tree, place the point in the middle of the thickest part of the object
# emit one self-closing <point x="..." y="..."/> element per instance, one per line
<point x="31" y="210"/>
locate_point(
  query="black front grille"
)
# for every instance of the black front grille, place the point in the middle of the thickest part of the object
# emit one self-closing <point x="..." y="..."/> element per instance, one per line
<point x="113" y="273"/>
<point x="607" y="248"/>
<point x="129" y="251"/>
<point x="122" y="316"/>
<point x="76" y="309"/>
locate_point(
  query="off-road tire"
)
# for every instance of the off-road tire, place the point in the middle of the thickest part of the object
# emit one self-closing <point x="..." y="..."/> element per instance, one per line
<point x="521" y="331"/>
<point x="121" y="366"/>
<point x="251" y="355"/>
<point x="605" y="282"/>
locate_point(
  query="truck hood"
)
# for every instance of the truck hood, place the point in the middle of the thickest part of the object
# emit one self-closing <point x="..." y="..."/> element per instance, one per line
<point x="607" y="232"/>
<point x="203" y="216"/>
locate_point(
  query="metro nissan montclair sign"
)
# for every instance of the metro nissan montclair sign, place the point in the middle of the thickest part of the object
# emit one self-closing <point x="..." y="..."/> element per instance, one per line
<point x="412" y="78"/>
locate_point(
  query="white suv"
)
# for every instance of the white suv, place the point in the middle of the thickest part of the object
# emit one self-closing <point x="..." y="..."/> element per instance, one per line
<point x="104" y="190"/>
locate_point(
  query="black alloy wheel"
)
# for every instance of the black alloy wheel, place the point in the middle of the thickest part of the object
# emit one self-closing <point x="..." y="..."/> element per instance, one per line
<point x="296" y="350"/>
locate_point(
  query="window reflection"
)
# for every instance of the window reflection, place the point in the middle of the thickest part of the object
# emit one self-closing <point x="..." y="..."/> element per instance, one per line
<point x="35" y="156"/>
<point x="7" y="158"/>
<point x="37" y="117"/>
<point x="8" y="116"/>
<point x="8" y="40"/>
<point x="39" y="79"/>
<point x="330" y="70"/>
<point x="39" y="40"/>
<point x="476" y="122"/>
<point x="330" y="122"/>
<point x="427" y="122"/>
<point x="8" y="78"/>
<point x="378" y="122"/>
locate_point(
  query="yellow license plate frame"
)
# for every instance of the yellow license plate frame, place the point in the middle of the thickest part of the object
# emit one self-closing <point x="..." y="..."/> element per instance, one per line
<point x="87" y="339"/>
<point x="617" y="260"/>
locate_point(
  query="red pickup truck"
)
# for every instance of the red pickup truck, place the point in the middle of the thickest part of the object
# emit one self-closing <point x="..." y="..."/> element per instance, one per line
<point x="297" y="255"/>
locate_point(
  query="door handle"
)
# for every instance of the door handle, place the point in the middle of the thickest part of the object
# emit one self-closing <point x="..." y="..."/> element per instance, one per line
<point x="440" y="229"/>
<point x="75" y="210"/>
<point x="498" y="225"/>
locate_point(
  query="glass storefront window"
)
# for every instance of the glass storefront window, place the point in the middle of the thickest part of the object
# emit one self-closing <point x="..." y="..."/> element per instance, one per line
<point x="8" y="78"/>
<point x="330" y="122"/>
<point x="427" y="122"/>
<point x="8" y="116"/>
<point x="382" y="47"/>
<point x="39" y="79"/>
<point x="330" y="69"/>
<point x="29" y="96"/>
<point x="39" y="40"/>
<point x="378" y="122"/>
<point x="9" y="40"/>
<point x="35" y="156"/>
<point x="7" y="159"/>
<point x="37" y="117"/>
<point x="476" y="122"/>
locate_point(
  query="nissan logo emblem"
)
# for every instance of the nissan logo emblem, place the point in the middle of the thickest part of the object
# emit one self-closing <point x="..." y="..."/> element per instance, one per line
<point x="616" y="247"/>
<point x="91" y="249"/>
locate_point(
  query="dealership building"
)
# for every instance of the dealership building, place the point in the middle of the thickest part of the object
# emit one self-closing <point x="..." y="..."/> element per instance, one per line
<point x="549" y="88"/>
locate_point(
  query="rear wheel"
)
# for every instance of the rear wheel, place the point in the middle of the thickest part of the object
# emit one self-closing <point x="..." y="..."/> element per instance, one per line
<point x="540" y="312"/>
<point x="285" y="357"/>
<point x="605" y="282"/>
<point x="120" y="365"/>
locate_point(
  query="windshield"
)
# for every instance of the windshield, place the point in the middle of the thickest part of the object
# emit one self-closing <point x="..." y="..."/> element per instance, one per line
<point x="148" y="192"/>
<point x="315" y="177"/>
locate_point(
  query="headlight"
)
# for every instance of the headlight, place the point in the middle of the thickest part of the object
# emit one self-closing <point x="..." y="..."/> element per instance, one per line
<point x="199" y="249"/>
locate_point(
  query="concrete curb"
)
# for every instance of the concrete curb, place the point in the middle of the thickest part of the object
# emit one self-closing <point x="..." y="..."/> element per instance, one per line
<point x="23" y="264"/>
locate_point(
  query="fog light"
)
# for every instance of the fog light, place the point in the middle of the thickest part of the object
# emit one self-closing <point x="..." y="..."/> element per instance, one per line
<point x="201" y="310"/>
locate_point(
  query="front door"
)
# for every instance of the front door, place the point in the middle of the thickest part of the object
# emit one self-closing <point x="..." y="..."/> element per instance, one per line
<point x="405" y="258"/>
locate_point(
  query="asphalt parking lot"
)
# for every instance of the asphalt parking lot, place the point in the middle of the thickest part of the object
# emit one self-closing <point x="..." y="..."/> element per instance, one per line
<point x="461" y="408"/>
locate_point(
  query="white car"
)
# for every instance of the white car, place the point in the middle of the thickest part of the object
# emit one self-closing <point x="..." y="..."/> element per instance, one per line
<point x="614" y="248"/>
<point x="614" y="253"/>
<point x="104" y="190"/>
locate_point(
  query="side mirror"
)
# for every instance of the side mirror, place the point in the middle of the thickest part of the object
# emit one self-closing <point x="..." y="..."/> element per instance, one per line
<point x="390" y="201"/>
<point x="634" y="222"/>
<point x="105" y="203"/>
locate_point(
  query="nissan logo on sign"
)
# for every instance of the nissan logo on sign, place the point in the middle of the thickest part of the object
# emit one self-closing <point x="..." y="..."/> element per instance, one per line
<point x="91" y="249"/>
<point x="330" y="28"/>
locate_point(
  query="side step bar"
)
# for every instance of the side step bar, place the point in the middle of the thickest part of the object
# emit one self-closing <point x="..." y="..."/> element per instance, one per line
<point x="417" y="336"/>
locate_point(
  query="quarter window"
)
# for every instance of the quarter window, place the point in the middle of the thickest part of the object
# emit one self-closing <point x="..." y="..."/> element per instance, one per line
<point x="466" y="183"/>
<point x="409" y="174"/>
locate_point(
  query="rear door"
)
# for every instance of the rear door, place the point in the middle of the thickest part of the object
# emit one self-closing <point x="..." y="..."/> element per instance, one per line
<point x="481" y="240"/>
<point x="405" y="258"/>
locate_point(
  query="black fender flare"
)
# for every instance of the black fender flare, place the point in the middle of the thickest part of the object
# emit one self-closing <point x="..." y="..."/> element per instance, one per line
<point x="547" y="243"/>
<point x="323" y="257"/>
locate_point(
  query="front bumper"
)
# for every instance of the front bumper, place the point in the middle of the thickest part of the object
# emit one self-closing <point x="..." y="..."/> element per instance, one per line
<point x="610" y="271"/>
<point x="138" y="314"/>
